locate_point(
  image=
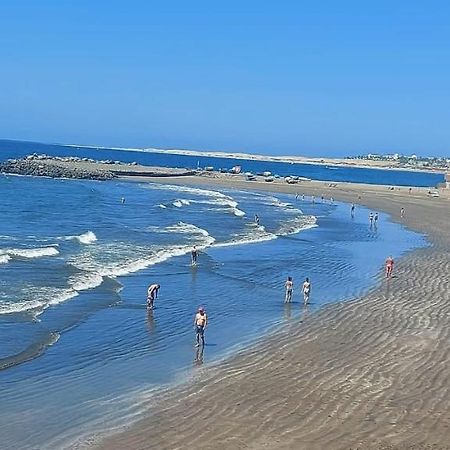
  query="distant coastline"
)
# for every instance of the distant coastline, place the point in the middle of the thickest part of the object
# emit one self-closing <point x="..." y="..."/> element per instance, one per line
<point x="334" y="162"/>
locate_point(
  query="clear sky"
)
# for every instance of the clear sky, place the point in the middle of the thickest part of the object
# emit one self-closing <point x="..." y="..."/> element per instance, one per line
<point x="319" y="78"/>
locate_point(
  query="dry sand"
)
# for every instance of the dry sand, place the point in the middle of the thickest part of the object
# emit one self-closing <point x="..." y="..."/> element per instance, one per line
<point x="367" y="374"/>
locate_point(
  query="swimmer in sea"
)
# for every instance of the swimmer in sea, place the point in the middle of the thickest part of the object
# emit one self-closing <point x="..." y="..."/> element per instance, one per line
<point x="194" y="255"/>
<point x="352" y="210"/>
<point x="289" y="286"/>
<point x="306" y="289"/>
<point x="257" y="219"/>
<point x="200" y="322"/>
<point x="152" y="293"/>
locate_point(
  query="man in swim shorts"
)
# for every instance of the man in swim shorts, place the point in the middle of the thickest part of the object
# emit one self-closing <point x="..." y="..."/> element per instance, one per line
<point x="152" y="293"/>
<point x="306" y="291"/>
<point x="200" y="322"/>
<point x="289" y="286"/>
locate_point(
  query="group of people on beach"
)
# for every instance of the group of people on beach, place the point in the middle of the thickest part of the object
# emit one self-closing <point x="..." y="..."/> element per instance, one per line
<point x="289" y="288"/>
<point x="201" y="319"/>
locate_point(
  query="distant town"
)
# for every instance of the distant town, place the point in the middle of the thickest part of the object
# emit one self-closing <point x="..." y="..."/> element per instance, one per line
<point x="412" y="161"/>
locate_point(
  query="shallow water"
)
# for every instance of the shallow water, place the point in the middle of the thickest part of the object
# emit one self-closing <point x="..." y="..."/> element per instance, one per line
<point x="75" y="332"/>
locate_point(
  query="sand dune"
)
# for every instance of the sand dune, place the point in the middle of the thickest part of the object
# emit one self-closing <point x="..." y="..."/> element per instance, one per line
<point x="368" y="374"/>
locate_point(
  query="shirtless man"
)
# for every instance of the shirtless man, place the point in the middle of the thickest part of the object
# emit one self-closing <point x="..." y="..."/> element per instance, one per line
<point x="289" y="286"/>
<point x="306" y="291"/>
<point x="194" y="255"/>
<point x="152" y="293"/>
<point x="200" y="322"/>
<point x="389" y="266"/>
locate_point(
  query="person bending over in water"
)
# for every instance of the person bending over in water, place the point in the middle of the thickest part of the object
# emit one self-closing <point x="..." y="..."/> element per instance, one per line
<point x="306" y="291"/>
<point x="152" y="293"/>
<point x="200" y="322"/>
<point x="194" y="255"/>
<point x="289" y="285"/>
<point x="389" y="266"/>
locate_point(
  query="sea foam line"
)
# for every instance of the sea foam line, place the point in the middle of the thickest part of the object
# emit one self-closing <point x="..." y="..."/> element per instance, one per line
<point x="28" y="252"/>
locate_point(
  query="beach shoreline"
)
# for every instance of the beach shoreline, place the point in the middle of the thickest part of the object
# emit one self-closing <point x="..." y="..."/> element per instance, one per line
<point x="330" y="383"/>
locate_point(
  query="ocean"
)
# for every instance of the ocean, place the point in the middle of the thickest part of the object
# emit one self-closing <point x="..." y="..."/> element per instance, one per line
<point x="79" y="348"/>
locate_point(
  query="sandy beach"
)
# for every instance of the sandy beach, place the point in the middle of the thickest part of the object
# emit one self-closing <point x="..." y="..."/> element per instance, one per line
<point x="366" y="374"/>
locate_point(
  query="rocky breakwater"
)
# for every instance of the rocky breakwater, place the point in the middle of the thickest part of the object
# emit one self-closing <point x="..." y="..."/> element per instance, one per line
<point x="55" y="167"/>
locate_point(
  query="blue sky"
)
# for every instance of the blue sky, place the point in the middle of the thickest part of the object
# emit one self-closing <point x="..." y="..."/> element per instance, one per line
<point x="318" y="78"/>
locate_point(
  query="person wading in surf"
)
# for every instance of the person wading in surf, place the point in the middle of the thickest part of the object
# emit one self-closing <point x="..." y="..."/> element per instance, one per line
<point x="200" y="322"/>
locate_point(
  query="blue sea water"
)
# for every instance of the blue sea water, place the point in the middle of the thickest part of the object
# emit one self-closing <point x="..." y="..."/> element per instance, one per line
<point x="78" y="346"/>
<point x="16" y="149"/>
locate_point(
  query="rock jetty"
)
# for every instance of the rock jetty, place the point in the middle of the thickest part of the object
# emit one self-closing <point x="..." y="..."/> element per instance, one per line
<point x="85" y="168"/>
<point x="54" y="167"/>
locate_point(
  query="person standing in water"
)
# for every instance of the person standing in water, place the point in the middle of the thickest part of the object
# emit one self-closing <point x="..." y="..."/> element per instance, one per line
<point x="289" y="286"/>
<point x="200" y="322"/>
<point x="194" y="255"/>
<point x="152" y="293"/>
<point x="402" y="213"/>
<point x="389" y="266"/>
<point x="352" y="210"/>
<point x="306" y="289"/>
<point x="257" y="219"/>
<point x="375" y="219"/>
<point x="371" y="219"/>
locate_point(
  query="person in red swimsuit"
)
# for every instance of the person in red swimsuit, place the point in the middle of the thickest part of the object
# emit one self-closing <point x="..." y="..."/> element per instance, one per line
<point x="389" y="266"/>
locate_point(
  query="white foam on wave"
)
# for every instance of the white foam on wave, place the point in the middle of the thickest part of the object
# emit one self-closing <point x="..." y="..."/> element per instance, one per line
<point x="162" y="206"/>
<point x="29" y="252"/>
<point x="296" y="225"/>
<point x="180" y="202"/>
<point x="253" y="236"/>
<point x="97" y="270"/>
<point x="215" y="198"/>
<point x="182" y="228"/>
<point x="43" y="298"/>
<point x="238" y="212"/>
<point x="86" y="238"/>
<point x="86" y="281"/>
<point x="4" y="259"/>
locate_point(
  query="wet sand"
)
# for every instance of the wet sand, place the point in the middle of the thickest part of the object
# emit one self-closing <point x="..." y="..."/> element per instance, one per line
<point x="367" y="374"/>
